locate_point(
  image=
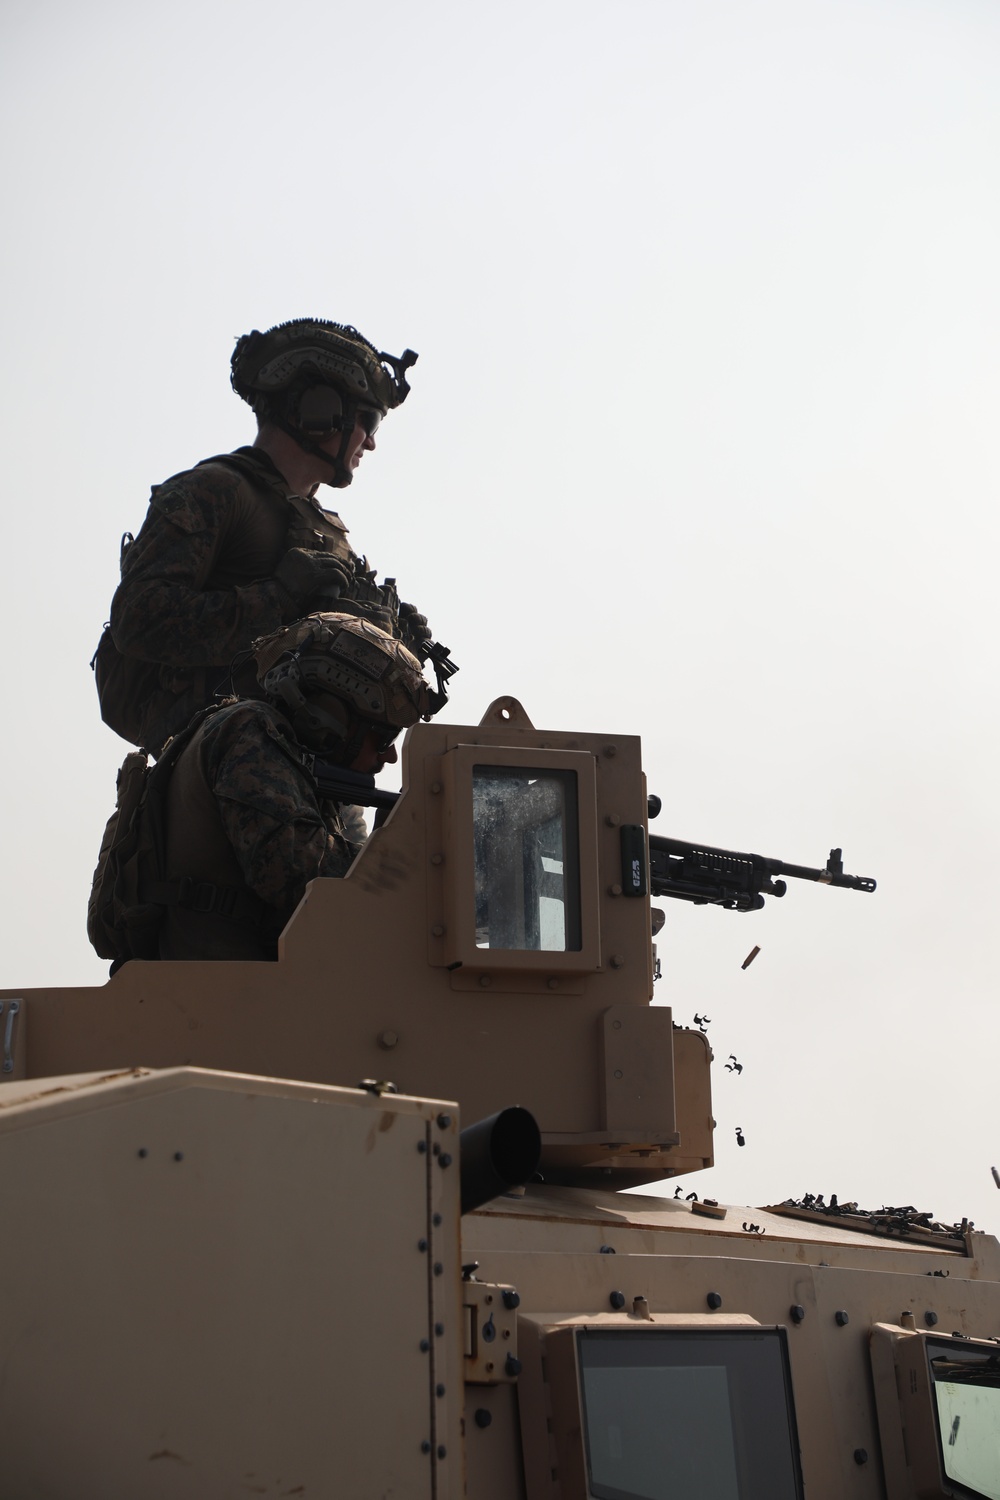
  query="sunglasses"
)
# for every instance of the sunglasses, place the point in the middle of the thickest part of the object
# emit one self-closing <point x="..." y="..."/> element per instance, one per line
<point x="385" y="735"/>
<point x="368" y="419"/>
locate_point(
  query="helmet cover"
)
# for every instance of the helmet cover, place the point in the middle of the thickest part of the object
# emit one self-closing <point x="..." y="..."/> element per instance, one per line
<point x="312" y="351"/>
<point x="329" y="671"/>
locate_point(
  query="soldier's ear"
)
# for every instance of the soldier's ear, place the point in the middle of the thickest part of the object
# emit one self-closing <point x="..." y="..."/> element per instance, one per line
<point x="319" y="411"/>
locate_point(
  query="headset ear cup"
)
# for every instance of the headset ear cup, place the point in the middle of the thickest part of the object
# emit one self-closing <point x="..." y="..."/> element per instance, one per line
<point x="320" y="411"/>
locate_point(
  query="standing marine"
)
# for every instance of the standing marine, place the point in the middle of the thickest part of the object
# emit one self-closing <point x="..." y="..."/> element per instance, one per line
<point x="239" y="545"/>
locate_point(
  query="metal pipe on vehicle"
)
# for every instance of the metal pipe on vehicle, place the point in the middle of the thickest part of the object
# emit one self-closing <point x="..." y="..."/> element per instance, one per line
<point x="498" y="1153"/>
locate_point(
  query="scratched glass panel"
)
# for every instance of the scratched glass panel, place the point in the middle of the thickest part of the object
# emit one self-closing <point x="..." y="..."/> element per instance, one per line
<point x="526" y="859"/>
<point x="967" y="1395"/>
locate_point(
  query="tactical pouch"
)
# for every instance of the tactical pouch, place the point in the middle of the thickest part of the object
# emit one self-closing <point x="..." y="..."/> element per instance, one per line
<point x="125" y="686"/>
<point x="109" y="918"/>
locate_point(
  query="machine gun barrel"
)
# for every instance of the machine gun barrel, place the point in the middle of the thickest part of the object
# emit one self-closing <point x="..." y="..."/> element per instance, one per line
<point x="734" y="881"/>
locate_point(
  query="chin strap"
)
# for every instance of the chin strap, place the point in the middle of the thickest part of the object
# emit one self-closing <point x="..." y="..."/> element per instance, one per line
<point x="342" y="475"/>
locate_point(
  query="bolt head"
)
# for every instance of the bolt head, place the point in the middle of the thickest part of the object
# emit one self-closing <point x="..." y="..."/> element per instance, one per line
<point x="842" y="1317"/>
<point x="483" y="1418"/>
<point x="714" y="1300"/>
<point x="617" y="1300"/>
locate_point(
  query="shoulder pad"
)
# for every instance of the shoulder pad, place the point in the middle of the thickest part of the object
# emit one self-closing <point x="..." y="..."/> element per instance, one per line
<point x="195" y="499"/>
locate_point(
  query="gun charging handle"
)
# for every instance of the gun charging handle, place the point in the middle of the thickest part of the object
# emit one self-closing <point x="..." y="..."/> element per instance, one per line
<point x="496" y="1154"/>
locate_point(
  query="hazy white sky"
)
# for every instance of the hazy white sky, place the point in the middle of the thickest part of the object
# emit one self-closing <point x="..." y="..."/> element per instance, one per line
<point x="701" y="446"/>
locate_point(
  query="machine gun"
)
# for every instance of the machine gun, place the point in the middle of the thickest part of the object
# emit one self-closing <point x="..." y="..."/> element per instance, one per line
<point x="736" y="882"/>
<point x="344" y="785"/>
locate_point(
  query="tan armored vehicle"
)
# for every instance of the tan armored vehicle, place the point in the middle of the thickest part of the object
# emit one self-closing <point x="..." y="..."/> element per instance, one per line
<point x="229" y="1270"/>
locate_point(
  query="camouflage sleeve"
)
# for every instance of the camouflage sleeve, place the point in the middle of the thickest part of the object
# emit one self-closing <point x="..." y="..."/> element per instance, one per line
<point x="163" y="610"/>
<point x="270" y="811"/>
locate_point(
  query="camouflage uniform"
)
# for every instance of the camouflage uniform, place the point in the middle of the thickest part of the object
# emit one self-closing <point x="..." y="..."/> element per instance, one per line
<point x="197" y="583"/>
<point x="243" y="817"/>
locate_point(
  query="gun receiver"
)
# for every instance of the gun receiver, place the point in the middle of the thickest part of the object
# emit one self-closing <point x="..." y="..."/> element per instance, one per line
<point x="736" y="882"/>
<point x="344" y="785"/>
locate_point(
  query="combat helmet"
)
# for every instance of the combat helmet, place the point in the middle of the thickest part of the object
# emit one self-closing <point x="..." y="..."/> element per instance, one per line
<point x="312" y="378"/>
<point x="337" y="675"/>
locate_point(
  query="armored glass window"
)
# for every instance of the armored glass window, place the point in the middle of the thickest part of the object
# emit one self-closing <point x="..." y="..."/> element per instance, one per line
<point x="966" y="1386"/>
<point x="671" y="1413"/>
<point x="527" y="859"/>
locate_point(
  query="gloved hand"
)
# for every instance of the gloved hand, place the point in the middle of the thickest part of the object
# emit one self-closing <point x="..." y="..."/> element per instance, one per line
<point x="413" y="628"/>
<point x="312" y="579"/>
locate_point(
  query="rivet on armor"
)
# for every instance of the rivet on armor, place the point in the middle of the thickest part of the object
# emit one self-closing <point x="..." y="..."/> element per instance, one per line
<point x="841" y="1317"/>
<point x="618" y="1072"/>
<point x="437" y="930"/>
<point x="861" y="1455"/>
<point x="483" y="1418"/>
<point x="614" y="890"/>
<point x="437" y="859"/>
<point x="552" y="984"/>
<point x="442" y="1451"/>
<point x="387" y="1040"/>
<point x="485" y="981"/>
<point x="617" y="1300"/>
<point x="512" y="1365"/>
<point x="714" y="1301"/>
<point x="796" y="1312"/>
<point x="612" y="819"/>
<point x="443" y="1121"/>
<point x="438" y="1268"/>
<point x="930" y="1318"/>
<point x="444" y="1160"/>
<point x="617" y="960"/>
<point x="610" y="751"/>
<point x="510" y="1298"/>
<point x="436" y="788"/>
